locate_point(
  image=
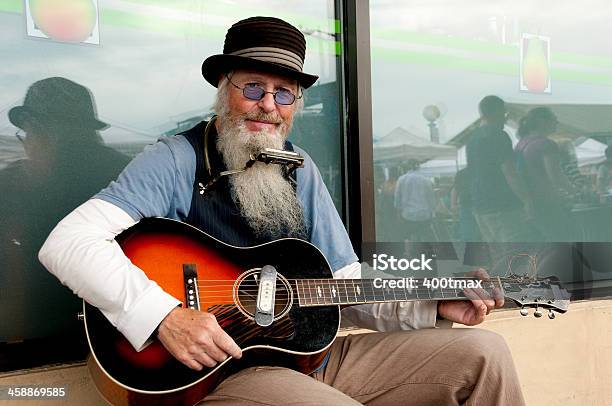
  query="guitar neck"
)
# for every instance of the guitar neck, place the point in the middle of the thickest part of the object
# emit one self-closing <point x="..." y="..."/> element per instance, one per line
<point x="325" y="292"/>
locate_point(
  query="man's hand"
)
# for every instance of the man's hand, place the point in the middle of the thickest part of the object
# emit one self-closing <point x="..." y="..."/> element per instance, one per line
<point x="196" y="339"/>
<point x="471" y="312"/>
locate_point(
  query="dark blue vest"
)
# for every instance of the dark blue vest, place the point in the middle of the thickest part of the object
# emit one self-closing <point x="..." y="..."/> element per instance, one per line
<point x="215" y="211"/>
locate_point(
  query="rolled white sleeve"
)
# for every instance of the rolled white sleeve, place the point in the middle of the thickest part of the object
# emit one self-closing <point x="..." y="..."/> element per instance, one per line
<point x="82" y="253"/>
<point x="389" y="316"/>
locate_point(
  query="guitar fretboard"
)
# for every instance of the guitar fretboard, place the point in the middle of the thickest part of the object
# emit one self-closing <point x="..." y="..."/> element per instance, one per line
<point x="325" y="292"/>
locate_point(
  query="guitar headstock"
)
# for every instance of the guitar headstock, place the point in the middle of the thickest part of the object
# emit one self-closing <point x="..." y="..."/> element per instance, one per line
<point x="528" y="292"/>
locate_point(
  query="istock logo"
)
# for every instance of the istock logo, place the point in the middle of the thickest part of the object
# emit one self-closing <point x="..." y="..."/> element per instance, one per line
<point x="383" y="262"/>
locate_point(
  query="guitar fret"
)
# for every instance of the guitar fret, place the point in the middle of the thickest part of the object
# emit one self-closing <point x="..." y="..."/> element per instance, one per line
<point x="373" y="288"/>
<point x="309" y="291"/>
<point x="345" y="291"/>
<point x="323" y="292"/>
<point x="325" y="288"/>
<point x="361" y="291"/>
<point x="336" y="291"/>
<point x="367" y="291"/>
<point x="338" y="285"/>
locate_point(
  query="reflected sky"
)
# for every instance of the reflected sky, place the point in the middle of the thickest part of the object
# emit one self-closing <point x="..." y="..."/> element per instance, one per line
<point x="145" y="80"/>
<point x="451" y="54"/>
<point x="578" y="26"/>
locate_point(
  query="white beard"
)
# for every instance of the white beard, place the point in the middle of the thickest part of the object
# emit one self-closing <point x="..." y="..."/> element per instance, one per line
<point x="266" y="199"/>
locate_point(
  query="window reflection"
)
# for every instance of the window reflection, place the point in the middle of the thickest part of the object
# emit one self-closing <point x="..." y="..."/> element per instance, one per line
<point x="65" y="163"/>
<point x="528" y="177"/>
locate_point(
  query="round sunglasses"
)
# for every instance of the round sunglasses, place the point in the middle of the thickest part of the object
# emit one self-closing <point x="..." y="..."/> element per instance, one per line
<point x="256" y="93"/>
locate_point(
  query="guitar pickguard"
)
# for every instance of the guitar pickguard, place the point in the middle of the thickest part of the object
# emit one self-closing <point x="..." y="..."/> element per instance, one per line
<point x="243" y="329"/>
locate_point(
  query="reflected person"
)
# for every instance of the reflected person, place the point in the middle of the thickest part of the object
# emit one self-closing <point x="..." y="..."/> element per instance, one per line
<point x="539" y="164"/>
<point x="66" y="162"/>
<point x="476" y="253"/>
<point x="415" y="201"/>
<point x="499" y="196"/>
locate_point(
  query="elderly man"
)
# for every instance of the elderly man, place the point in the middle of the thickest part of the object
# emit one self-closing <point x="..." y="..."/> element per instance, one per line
<point x="260" y="83"/>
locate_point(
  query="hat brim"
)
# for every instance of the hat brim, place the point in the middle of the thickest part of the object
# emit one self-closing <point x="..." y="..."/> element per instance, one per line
<point x="18" y="115"/>
<point x="214" y="66"/>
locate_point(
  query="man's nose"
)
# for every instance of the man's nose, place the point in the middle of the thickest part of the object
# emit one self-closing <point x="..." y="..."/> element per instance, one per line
<point x="267" y="103"/>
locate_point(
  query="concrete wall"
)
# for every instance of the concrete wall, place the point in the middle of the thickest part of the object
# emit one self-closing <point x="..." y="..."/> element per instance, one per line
<point x="566" y="361"/>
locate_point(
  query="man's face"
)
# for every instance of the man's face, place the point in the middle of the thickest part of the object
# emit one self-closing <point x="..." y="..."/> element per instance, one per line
<point x="244" y="127"/>
<point x="261" y="115"/>
<point x="40" y="146"/>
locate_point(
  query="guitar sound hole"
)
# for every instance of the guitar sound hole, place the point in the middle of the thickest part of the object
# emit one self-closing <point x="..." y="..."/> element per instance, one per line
<point x="245" y="294"/>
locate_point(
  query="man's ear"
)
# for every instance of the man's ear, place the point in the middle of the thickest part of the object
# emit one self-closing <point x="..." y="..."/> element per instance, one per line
<point x="224" y="75"/>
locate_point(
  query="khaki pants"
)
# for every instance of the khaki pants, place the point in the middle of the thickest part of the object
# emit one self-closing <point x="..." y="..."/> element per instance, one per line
<point x="423" y="367"/>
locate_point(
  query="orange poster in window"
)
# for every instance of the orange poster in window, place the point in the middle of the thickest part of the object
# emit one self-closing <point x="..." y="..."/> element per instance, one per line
<point x="535" y="64"/>
<point x="74" y="21"/>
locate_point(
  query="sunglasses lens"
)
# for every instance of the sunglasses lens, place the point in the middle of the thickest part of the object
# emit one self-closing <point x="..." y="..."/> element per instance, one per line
<point x="253" y="92"/>
<point x="284" y="97"/>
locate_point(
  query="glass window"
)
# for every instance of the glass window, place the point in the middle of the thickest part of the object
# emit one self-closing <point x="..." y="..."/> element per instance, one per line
<point x="491" y="136"/>
<point x="111" y="79"/>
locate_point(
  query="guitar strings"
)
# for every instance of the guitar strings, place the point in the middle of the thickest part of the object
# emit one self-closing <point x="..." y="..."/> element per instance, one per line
<point x="395" y="294"/>
<point x="222" y="289"/>
<point x="508" y="279"/>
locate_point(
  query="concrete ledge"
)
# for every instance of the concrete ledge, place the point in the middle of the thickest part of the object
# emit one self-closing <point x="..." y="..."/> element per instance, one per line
<point x="81" y="390"/>
<point x="565" y="361"/>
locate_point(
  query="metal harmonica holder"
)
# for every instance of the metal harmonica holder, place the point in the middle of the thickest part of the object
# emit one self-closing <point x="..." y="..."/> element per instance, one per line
<point x="289" y="159"/>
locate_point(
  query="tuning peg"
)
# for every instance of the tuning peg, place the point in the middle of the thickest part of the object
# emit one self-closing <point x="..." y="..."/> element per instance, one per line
<point x="551" y="314"/>
<point x="524" y="311"/>
<point x="537" y="313"/>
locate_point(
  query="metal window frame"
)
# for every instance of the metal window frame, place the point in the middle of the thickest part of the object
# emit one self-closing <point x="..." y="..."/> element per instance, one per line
<point x="358" y="170"/>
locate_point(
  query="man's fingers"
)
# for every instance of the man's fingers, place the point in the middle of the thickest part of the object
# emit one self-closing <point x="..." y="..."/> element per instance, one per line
<point x="196" y="339"/>
<point x="495" y="296"/>
<point x="205" y="359"/>
<point x="192" y="363"/>
<point x="482" y="296"/>
<point x="218" y="344"/>
<point x="227" y="344"/>
<point x="482" y="311"/>
<point x="498" y="297"/>
<point x="211" y="349"/>
<point x="480" y="273"/>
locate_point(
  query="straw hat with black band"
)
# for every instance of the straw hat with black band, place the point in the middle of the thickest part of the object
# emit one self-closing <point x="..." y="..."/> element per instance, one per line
<point x="264" y="44"/>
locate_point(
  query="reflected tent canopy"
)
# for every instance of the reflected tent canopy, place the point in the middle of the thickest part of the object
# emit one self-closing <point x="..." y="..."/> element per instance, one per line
<point x="400" y="145"/>
<point x="590" y="152"/>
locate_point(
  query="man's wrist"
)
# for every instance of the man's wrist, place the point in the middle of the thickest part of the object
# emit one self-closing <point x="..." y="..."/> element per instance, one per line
<point x="156" y="331"/>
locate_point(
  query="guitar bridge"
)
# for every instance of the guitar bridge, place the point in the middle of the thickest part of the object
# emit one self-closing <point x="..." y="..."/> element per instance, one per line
<point x="190" y="282"/>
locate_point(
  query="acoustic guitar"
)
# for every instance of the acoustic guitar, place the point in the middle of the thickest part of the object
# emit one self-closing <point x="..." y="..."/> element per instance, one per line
<point x="278" y="301"/>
